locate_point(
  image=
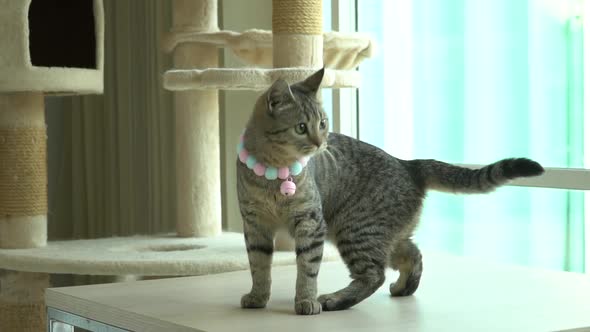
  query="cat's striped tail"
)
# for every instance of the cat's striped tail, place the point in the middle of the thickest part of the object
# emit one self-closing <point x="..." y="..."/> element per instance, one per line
<point x="436" y="175"/>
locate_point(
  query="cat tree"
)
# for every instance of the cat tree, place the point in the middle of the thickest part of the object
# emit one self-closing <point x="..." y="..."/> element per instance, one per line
<point x="295" y="48"/>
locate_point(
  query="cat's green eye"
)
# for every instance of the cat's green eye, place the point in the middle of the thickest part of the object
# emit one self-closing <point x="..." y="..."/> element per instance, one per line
<point x="301" y="128"/>
<point x="323" y="124"/>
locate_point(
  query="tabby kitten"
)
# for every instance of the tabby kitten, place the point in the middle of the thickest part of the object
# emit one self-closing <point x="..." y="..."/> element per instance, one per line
<point x="352" y="193"/>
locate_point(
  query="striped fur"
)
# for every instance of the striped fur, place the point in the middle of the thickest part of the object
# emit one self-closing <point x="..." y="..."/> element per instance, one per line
<point x="354" y="194"/>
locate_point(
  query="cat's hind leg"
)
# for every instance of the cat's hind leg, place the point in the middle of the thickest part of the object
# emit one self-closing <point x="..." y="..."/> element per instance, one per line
<point x="407" y="259"/>
<point x="366" y="261"/>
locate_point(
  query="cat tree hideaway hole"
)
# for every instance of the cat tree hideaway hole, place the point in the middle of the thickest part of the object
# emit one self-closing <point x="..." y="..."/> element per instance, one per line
<point x="62" y="33"/>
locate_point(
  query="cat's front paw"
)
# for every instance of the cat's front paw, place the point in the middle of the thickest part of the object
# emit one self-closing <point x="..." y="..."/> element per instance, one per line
<point x="307" y="307"/>
<point x="254" y="301"/>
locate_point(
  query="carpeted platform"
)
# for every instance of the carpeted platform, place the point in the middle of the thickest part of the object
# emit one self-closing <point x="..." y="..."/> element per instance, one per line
<point x="164" y="255"/>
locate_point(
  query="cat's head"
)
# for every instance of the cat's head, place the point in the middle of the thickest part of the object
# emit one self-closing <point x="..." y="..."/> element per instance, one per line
<point x="290" y="119"/>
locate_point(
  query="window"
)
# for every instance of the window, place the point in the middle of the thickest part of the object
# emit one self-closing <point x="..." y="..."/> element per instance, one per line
<point x="475" y="81"/>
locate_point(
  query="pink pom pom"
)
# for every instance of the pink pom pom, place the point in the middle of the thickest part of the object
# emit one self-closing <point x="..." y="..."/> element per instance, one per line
<point x="283" y="173"/>
<point x="259" y="169"/>
<point x="243" y="155"/>
<point x="242" y="138"/>
<point x="304" y="161"/>
<point x="288" y="188"/>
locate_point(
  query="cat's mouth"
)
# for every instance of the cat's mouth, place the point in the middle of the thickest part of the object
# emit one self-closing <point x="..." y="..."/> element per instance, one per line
<point x="309" y="149"/>
<point x="313" y="149"/>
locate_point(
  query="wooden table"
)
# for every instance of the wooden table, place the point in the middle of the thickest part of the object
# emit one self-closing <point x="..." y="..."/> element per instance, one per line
<point x="456" y="294"/>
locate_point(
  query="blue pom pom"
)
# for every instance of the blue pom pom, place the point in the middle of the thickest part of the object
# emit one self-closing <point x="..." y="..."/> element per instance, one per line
<point x="271" y="173"/>
<point x="296" y="168"/>
<point x="240" y="146"/>
<point x="250" y="162"/>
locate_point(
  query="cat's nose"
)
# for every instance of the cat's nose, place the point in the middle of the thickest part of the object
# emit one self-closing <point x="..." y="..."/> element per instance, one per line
<point x="315" y="141"/>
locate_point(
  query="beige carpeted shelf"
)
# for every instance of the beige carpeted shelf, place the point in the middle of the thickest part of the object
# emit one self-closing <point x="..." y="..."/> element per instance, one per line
<point x="254" y="46"/>
<point x="252" y="78"/>
<point x="158" y="255"/>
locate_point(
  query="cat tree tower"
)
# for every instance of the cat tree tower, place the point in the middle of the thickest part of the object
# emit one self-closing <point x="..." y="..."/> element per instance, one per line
<point x="32" y="63"/>
<point x="37" y="58"/>
<point x="40" y="55"/>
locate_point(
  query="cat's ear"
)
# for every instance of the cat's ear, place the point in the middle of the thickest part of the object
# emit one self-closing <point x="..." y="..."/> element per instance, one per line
<point x="279" y="93"/>
<point x="313" y="82"/>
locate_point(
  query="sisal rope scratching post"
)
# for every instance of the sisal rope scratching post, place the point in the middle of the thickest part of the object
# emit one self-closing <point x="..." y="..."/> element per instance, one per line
<point x="22" y="302"/>
<point x="198" y="175"/>
<point x="297" y="35"/>
<point x="297" y="42"/>
<point x="23" y="173"/>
